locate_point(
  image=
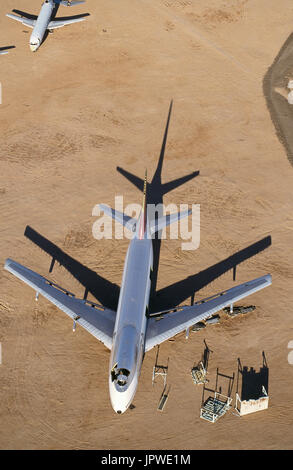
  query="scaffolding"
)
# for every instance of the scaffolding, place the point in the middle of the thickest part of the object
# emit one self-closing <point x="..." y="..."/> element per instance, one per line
<point x="160" y="370"/>
<point x="217" y="405"/>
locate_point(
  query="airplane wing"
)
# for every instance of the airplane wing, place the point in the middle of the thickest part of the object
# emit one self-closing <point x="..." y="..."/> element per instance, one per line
<point x="60" y="23"/>
<point x="94" y="318"/>
<point x="161" y="328"/>
<point x="26" y="21"/>
<point x="68" y="3"/>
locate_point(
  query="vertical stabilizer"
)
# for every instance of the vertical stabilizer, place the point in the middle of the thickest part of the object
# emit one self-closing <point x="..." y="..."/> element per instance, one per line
<point x="143" y="216"/>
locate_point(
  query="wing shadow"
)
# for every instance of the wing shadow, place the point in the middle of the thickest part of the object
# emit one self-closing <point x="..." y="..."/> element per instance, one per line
<point x="103" y="290"/>
<point x="25" y="15"/>
<point x="6" y="48"/>
<point x="178" y="292"/>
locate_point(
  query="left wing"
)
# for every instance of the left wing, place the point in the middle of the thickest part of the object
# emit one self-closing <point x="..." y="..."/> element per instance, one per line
<point x="60" y="23"/>
<point x="26" y="21"/>
<point x="94" y="318"/>
<point x="161" y="328"/>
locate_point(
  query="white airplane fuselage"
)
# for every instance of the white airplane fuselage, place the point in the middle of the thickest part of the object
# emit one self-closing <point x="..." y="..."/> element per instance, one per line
<point x="130" y="326"/>
<point x="41" y="25"/>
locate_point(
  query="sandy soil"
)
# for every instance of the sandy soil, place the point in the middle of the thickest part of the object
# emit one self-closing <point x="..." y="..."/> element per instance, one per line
<point x="96" y="95"/>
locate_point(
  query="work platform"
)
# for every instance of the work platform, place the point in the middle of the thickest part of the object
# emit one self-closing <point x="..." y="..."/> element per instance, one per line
<point x="198" y="374"/>
<point x="217" y="404"/>
<point x="215" y="407"/>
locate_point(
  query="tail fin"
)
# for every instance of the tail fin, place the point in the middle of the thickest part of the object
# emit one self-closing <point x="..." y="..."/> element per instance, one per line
<point x="143" y="216"/>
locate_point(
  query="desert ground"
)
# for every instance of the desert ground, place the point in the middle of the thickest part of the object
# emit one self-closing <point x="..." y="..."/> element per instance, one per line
<point x="95" y="97"/>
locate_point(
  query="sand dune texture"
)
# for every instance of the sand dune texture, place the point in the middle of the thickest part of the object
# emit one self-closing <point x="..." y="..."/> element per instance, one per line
<point x="95" y="97"/>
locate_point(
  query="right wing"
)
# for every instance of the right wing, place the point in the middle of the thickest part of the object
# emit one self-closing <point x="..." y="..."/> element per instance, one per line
<point x="96" y="319"/>
<point x="26" y="21"/>
<point x="165" y="326"/>
<point x="60" y="23"/>
<point x="68" y="3"/>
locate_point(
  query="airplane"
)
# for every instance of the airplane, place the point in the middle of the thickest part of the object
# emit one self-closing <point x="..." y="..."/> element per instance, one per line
<point x="4" y="50"/>
<point x="42" y="22"/>
<point x="132" y="331"/>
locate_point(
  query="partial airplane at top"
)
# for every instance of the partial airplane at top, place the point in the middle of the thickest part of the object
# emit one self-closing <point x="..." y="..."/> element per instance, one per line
<point x="132" y="331"/>
<point x="42" y="23"/>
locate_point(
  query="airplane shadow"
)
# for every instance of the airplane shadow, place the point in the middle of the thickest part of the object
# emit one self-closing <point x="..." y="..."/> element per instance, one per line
<point x="107" y="293"/>
<point x="155" y="193"/>
<point x="178" y="292"/>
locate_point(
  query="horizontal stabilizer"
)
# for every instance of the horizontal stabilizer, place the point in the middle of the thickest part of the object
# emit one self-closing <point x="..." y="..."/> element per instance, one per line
<point x="121" y="218"/>
<point x="162" y="222"/>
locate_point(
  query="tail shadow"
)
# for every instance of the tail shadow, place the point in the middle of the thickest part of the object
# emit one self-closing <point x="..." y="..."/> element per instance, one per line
<point x="155" y="193"/>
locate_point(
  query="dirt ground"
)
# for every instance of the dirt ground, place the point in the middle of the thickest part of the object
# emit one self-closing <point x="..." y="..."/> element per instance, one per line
<point x="96" y="96"/>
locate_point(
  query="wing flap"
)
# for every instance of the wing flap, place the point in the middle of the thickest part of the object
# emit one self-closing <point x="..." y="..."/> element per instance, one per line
<point x="161" y="329"/>
<point x="60" y="23"/>
<point x="95" y="319"/>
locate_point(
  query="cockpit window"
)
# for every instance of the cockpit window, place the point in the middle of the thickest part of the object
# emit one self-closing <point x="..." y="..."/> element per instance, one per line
<point x="119" y="375"/>
<point x="124" y="356"/>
